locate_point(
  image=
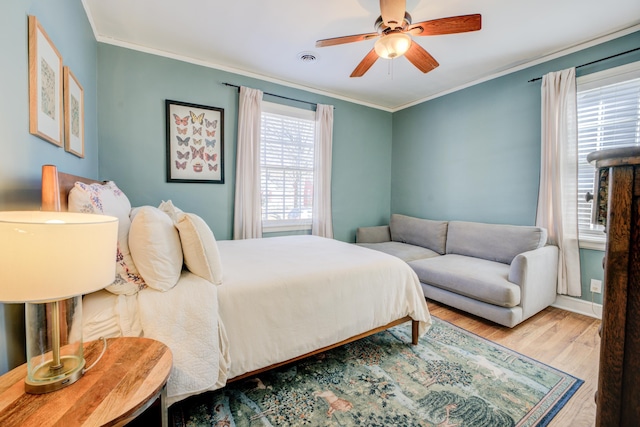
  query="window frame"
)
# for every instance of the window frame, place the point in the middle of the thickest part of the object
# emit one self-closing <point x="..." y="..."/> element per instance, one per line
<point x="588" y="237"/>
<point x="286" y="225"/>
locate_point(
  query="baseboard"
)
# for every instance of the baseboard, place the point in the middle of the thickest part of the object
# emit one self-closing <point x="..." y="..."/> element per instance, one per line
<point x="579" y="306"/>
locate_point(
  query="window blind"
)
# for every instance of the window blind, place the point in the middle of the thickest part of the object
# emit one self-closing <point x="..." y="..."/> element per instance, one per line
<point x="608" y="117"/>
<point x="287" y="166"/>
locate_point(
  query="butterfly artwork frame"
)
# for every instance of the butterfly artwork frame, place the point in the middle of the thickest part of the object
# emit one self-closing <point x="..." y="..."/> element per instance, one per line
<point x="46" y="113"/>
<point x="195" y="143"/>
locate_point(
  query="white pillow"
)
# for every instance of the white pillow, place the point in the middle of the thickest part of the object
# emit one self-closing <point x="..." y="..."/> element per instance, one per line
<point x="199" y="246"/>
<point x="155" y="248"/>
<point x="108" y="199"/>
<point x="168" y="208"/>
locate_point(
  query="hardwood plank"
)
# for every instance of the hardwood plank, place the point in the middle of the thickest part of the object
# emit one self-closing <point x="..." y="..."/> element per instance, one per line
<point x="564" y="340"/>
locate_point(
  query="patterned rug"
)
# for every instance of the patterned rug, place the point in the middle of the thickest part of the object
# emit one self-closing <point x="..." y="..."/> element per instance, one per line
<point x="451" y="378"/>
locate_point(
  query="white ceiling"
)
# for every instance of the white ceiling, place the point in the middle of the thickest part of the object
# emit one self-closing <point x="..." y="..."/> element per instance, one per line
<point x="262" y="38"/>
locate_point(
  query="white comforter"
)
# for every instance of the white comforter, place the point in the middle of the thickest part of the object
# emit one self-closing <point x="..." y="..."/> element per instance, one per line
<point x="286" y="296"/>
<point x="280" y="298"/>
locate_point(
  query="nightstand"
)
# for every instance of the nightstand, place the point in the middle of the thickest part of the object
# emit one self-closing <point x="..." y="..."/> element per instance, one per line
<point x="131" y="375"/>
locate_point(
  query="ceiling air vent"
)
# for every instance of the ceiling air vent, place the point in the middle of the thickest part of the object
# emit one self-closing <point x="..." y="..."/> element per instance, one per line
<point x="307" y="57"/>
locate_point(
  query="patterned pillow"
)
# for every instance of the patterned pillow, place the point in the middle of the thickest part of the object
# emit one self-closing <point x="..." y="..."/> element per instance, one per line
<point x="108" y="199"/>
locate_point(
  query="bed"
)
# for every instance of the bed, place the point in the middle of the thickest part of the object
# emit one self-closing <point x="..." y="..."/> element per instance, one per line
<point x="262" y="303"/>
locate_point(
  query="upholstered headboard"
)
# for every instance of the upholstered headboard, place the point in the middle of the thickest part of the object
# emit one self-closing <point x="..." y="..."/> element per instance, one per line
<point x="56" y="186"/>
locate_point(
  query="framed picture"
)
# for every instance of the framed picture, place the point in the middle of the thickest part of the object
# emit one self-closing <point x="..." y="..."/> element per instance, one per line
<point x="73" y="114"/>
<point x="195" y="143"/>
<point x="45" y="86"/>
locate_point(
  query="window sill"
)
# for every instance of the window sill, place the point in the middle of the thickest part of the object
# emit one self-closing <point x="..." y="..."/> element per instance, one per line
<point x="285" y="228"/>
<point x="592" y="244"/>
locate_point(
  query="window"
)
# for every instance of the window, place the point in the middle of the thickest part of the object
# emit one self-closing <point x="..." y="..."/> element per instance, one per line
<point x="287" y="165"/>
<point x="608" y="117"/>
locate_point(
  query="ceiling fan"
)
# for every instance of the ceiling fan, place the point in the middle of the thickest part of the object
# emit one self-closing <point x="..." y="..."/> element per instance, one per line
<point x="395" y="29"/>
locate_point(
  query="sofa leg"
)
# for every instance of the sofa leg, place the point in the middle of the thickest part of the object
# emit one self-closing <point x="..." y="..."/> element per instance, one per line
<point x="414" y="332"/>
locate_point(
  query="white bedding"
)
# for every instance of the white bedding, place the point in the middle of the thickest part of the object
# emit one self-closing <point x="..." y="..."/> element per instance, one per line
<point x="286" y="296"/>
<point x="280" y="298"/>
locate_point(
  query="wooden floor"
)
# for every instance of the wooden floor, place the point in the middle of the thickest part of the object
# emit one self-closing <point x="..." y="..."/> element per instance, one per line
<point x="564" y="340"/>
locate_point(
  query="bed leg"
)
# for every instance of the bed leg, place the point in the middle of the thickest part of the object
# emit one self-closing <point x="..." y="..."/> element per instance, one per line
<point x="414" y="332"/>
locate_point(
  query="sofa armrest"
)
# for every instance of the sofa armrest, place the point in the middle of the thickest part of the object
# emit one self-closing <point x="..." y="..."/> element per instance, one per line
<point x="536" y="272"/>
<point x="376" y="234"/>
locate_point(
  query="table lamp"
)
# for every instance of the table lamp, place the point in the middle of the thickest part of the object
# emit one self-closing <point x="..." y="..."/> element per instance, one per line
<point x="48" y="260"/>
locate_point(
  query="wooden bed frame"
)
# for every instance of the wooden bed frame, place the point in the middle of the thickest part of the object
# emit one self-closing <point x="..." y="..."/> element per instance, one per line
<point x="55" y="192"/>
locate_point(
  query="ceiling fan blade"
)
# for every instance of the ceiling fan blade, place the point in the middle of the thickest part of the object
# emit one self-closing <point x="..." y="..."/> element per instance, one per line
<point x="365" y="64"/>
<point x="392" y="12"/>
<point x="451" y="25"/>
<point x="421" y="58"/>
<point x="345" y="39"/>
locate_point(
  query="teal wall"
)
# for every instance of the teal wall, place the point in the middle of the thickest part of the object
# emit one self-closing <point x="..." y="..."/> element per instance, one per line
<point x="22" y="153"/>
<point x="417" y="161"/>
<point x="475" y="154"/>
<point x="132" y="90"/>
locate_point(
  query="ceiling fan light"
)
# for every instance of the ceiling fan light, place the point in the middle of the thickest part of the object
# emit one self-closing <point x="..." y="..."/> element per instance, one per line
<point x="392" y="45"/>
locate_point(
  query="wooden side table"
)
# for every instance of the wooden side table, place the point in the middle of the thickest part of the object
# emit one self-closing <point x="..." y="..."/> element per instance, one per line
<point x="131" y="375"/>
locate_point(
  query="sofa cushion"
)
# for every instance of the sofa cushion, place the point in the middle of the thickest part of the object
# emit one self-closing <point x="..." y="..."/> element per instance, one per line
<point x="377" y="234"/>
<point x="472" y="277"/>
<point x="493" y="242"/>
<point x="420" y="232"/>
<point x="404" y="251"/>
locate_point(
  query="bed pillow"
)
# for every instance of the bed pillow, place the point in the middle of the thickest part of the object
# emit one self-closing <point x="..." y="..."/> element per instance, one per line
<point x="168" y="208"/>
<point x="199" y="246"/>
<point x="155" y="248"/>
<point x="108" y="199"/>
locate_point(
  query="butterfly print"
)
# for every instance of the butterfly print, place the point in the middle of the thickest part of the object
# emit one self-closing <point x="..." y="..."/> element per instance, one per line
<point x="197" y="141"/>
<point x="197" y="152"/>
<point x="181" y="131"/>
<point x="184" y="142"/>
<point x="180" y="121"/>
<point x="211" y="123"/>
<point x="196" y="119"/>
<point x="182" y="155"/>
<point x="197" y="131"/>
<point x="208" y="156"/>
<point x="182" y="165"/>
<point x="210" y="142"/>
<point x="211" y="133"/>
<point x="213" y="167"/>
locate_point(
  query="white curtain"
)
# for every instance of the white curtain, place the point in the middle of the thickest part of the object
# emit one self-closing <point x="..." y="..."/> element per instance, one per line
<point x="558" y="194"/>
<point x="322" y="224"/>
<point x="247" y="216"/>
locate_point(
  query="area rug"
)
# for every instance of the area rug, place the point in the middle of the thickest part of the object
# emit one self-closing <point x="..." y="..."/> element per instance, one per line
<point x="451" y="378"/>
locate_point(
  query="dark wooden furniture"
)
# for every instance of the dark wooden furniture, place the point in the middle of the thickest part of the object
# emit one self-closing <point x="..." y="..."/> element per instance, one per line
<point x="618" y="395"/>
<point x="129" y="378"/>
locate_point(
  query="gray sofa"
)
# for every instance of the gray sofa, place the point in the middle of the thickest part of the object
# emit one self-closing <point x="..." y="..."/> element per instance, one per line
<point x="504" y="273"/>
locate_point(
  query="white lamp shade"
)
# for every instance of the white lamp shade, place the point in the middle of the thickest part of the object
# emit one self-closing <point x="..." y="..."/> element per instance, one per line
<point x="48" y="256"/>
<point x="392" y="45"/>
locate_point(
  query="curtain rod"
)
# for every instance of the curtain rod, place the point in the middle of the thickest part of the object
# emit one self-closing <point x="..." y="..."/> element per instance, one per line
<point x="595" y="62"/>
<point x="277" y="96"/>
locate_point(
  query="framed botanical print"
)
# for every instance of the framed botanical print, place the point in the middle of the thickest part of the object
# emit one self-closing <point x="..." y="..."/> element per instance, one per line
<point x="73" y="114"/>
<point x="195" y="143"/>
<point x="45" y="85"/>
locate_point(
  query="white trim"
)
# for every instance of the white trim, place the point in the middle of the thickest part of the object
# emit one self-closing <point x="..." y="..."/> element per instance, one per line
<point x="289" y="111"/>
<point x="284" y="228"/>
<point x="592" y="244"/>
<point x="609" y="76"/>
<point x="579" y="306"/>
<point x="539" y="60"/>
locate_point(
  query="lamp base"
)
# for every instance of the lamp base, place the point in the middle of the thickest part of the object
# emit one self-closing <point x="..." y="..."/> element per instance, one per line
<point x="47" y="377"/>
